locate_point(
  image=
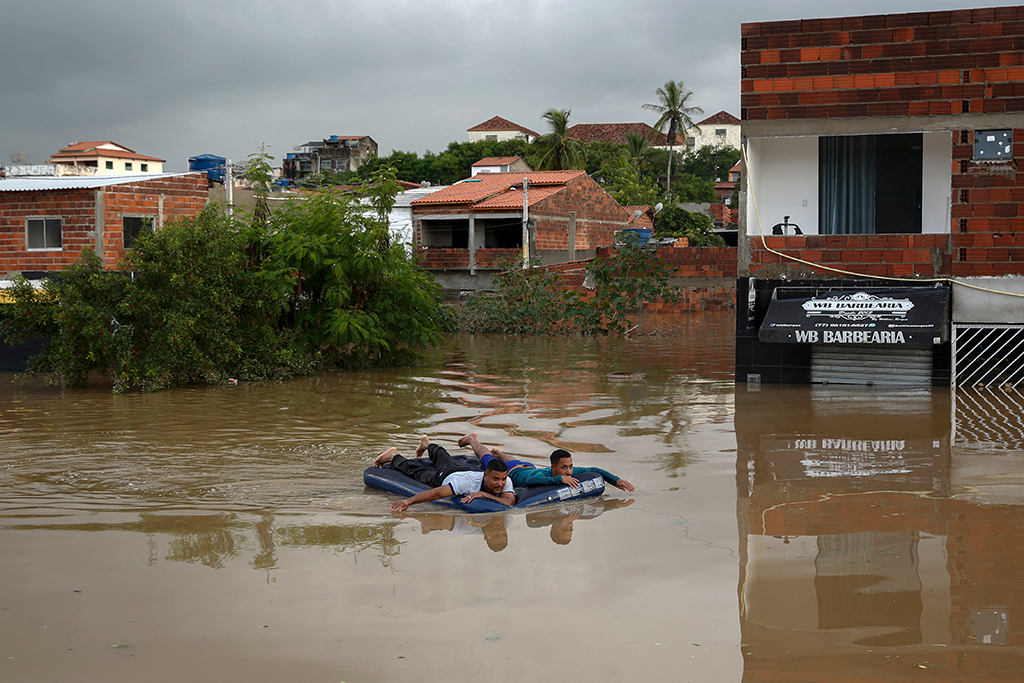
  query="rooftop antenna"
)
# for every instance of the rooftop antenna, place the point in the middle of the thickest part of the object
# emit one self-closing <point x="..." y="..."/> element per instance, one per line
<point x="19" y="158"/>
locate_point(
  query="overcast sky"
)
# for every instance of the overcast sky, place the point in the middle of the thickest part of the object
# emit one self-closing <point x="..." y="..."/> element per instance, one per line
<point x="177" y="78"/>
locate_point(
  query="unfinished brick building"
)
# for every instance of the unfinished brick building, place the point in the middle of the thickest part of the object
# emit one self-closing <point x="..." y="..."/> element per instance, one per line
<point x="882" y="153"/>
<point x="465" y="231"/>
<point x="46" y="222"/>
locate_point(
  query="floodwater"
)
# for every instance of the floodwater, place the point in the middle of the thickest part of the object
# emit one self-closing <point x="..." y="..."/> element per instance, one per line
<point x="776" y="533"/>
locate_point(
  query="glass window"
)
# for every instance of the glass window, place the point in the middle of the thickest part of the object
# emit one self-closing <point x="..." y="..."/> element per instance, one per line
<point x="132" y="226"/>
<point x="144" y="168"/>
<point x="110" y="165"/>
<point x="43" y="233"/>
<point x="127" y="165"/>
<point x="870" y="184"/>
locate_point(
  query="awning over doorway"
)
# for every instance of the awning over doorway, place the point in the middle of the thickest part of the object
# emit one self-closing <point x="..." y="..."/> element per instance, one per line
<point x="907" y="316"/>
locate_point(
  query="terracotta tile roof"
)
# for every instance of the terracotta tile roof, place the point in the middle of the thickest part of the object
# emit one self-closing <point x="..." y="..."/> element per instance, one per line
<point x="722" y="117"/>
<point x="88" y="150"/>
<point x="496" y="161"/>
<point x="500" y="190"/>
<point x="644" y="208"/>
<point x="498" y="123"/>
<point x="617" y="132"/>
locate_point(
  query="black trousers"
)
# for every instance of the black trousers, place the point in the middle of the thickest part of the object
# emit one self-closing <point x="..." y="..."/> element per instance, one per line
<point x="441" y="465"/>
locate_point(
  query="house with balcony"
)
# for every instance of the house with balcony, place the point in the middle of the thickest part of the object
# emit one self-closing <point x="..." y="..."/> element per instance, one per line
<point x="465" y="232"/>
<point x="104" y="158"/>
<point x="334" y="154"/>
<point x="882" y="213"/>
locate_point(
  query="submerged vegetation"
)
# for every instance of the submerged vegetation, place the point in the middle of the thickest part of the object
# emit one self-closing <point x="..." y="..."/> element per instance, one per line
<point x="316" y="284"/>
<point x="617" y="286"/>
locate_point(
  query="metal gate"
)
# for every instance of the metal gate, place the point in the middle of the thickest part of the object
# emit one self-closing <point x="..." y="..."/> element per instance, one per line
<point x="987" y="381"/>
<point x="875" y="365"/>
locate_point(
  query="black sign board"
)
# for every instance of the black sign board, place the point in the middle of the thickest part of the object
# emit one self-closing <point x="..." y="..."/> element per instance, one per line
<point x="916" y="316"/>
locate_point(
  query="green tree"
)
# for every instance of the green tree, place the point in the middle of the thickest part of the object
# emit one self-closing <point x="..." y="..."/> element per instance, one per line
<point x="627" y="186"/>
<point x="675" y="116"/>
<point x="349" y="293"/>
<point x="673" y="221"/>
<point x="638" y="152"/>
<point x="710" y="162"/>
<point x="556" y="151"/>
<point x="687" y="187"/>
<point x="521" y="301"/>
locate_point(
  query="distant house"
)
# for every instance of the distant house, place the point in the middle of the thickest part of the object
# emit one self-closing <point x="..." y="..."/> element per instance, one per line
<point x="106" y="158"/>
<point x="45" y="222"/>
<point x="617" y="133"/>
<point x="718" y="130"/>
<point x="336" y="154"/>
<point x="465" y="231"/>
<point x="500" y="165"/>
<point x="496" y="129"/>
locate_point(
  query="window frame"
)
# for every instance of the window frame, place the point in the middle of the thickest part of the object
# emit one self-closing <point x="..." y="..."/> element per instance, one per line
<point x="127" y="165"/>
<point x="126" y="243"/>
<point x="45" y="220"/>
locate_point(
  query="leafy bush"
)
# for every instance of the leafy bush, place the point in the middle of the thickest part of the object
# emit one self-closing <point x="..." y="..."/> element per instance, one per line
<point x="674" y="221"/>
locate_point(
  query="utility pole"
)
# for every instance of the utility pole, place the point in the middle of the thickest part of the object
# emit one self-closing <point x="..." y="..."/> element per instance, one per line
<point x="526" y="226"/>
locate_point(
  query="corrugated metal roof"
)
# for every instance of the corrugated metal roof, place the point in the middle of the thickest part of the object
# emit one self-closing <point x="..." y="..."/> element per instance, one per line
<point x="78" y="182"/>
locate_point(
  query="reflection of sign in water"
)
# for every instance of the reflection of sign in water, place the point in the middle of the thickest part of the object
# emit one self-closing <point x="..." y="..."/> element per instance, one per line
<point x="858" y="306"/>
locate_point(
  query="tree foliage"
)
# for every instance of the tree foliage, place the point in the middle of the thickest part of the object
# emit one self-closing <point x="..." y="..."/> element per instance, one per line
<point x="315" y="284"/>
<point x="556" y="151"/>
<point x="675" y="113"/>
<point x="532" y="301"/>
<point x="673" y="221"/>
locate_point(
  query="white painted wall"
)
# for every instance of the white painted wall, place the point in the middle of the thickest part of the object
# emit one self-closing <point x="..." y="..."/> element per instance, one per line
<point x="783" y="181"/>
<point x="705" y="135"/>
<point x="936" y="182"/>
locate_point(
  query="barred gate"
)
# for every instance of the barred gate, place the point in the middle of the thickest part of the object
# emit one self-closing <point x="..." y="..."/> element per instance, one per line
<point x="988" y="385"/>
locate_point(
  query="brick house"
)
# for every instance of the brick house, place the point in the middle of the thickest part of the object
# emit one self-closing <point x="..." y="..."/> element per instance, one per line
<point x="45" y="222"/>
<point x="881" y="153"/>
<point x="465" y="230"/>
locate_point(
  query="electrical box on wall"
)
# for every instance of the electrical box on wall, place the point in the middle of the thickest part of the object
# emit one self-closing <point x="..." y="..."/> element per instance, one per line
<point x="991" y="145"/>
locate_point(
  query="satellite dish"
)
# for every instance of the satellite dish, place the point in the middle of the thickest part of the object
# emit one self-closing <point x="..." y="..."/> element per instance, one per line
<point x="19" y="158"/>
<point x="658" y="207"/>
<point x="637" y="214"/>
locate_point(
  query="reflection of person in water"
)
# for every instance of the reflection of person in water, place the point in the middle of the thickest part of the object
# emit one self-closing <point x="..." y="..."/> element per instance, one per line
<point x="447" y="477"/>
<point x="494" y="528"/>
<point x="523" y="473"/>
<point x="562" y="518"/>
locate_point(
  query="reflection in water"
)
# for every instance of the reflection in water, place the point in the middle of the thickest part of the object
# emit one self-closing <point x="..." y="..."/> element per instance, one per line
<point x="860" y="556"/>
<point x="561" y="519"/>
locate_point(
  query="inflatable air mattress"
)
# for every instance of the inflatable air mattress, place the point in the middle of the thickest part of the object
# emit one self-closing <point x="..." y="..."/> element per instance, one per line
<point x="392" y="481"/>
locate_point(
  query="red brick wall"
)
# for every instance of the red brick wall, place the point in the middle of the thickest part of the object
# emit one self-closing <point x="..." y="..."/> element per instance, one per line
<point x="692" y="269"/>
<point x="598" y="216"/>
<point x="443" y="258"/>
<point x="75" y="208"/>
<point x="182" y="196"/>
<point x="925" y="63"/>
<point x="987" y="210"/>
<point x="881" y="255"/>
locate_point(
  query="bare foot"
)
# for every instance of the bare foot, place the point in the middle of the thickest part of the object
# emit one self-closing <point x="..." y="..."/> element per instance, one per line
<point x="385" y="457"/>
<point x="467" y="440"/>
<point x="422" y="448"/>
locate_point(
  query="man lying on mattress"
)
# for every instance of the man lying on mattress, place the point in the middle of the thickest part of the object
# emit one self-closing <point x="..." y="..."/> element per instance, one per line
<point x="447" y="477"/>
<point x="523" y="473"/>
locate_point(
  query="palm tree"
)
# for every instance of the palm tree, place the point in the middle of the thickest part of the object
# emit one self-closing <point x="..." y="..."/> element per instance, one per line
<point x="638" y="151"/>
<point x="676" y="115"/>
<point x="558" y="151"/>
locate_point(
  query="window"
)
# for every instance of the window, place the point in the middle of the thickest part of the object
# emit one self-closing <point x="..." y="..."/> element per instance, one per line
<point x="870" y="184"/>
<point x="144" y="168"/>
<point x="720" y="132"/>
<point x="127" y="165"/>
<point x="491" y="138"/>
<point x="131" y="226"/>
<point x="110" y="165"/>
<point x="43" y="233"/>
<point x="325" y="165"/>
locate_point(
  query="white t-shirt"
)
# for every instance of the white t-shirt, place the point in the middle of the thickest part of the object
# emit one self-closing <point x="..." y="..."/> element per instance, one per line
<point x="465" y="483"/>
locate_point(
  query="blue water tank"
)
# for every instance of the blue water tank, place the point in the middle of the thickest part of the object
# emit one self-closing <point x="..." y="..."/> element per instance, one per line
<point x="643" y="234"/>
<point x="211" y="163"/>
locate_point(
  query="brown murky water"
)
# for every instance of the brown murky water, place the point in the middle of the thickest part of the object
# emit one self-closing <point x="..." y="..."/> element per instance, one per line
<point x="790" y="533"/>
